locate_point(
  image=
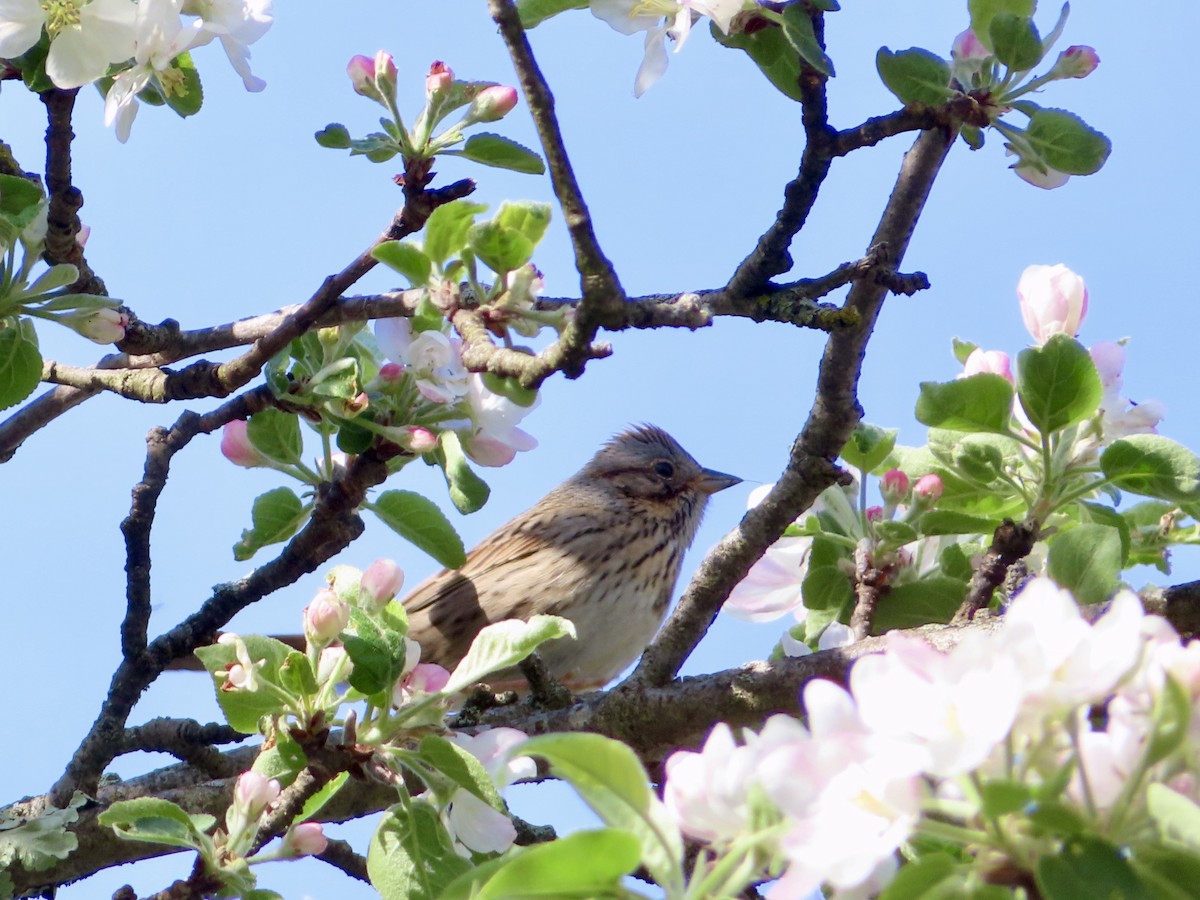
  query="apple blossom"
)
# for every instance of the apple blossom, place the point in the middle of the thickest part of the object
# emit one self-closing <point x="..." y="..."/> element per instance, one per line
<point x="431" y="357"/>
<point x="928" y="490"/>
<point x="103" y="325"/>
<point x="662" y="19"/>
<point x="85" y="37"/>
<point x="706" y="792"/>
<point x="894" y="486"/>
<point x="160" y="37"/>
<point x="253" y="793"/>
<point x="493" y="438"/>
<point x="1054" y="300"/>
<point x="382" y="581"/>
<point x="967" y="46"/>
<point x="236" y="446"/>
<point x="491" y="104"/>
<point x="236" y="24"/>
<point x="305" y="839"/>
<point x="772" y="587"/>
<point x="333" y="665"/>
<point x="325" y="617"/>
<point x="425" y="678"/>
<point x="438" y="81"/>
<point x="992" y="362"/>
<point x="1042" y="176"/>
<point x="474" y="823"/>
<point x="1076" y="62"/>
<point x="361" y="70"/>
<point x="1109" y="359"/>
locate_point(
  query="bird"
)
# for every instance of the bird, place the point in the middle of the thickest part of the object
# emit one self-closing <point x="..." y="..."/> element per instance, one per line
<point x="602" y="549"/>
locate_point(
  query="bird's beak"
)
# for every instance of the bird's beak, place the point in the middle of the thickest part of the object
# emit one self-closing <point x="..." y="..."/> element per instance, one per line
<point x="710" y="482"/>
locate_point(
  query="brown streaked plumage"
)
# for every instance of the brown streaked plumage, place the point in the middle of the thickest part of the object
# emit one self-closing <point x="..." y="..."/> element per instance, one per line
<point x="602" y="549"/>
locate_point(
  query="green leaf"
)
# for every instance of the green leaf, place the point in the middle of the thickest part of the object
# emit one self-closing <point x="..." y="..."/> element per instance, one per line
<point x="54" y="278"/>
<point x="411" y="856"/>
<point x="1058" y="384"/>
<point x="500" y="249"/>
<point x="798" y="29"/>
<point x="1056" y="818"/>
<point x="979" y="403"/>
<point x="610" y="778"/>
<point x="461" y="767"/>
<point x="511" y="388"/>
<point x="276" y="516"/>
<point x="983" y="11"/>
<point x="419" y="521"/>
<point x="501" y="153"/>
<point x="502" y="645"/>
<point x="954" y="563"/>
<point x="1065" y="142"/>
<point x="407" y="259"/>
<point x="583" y="865"/>
<point x="963" y="349"/>
<point x="186" y="95"/>
<point x="39" y="842"/>
<point x="917" y="603"/>
<point x="297" y="676"/>
<point x="276" y="434"/>
<point x="156" y="821"/>
<point x="945" y="521"/>
<point x="19" y="199"/>
<point x="333" y="136"/>
<point x="826" y="586"/>
<point x="1154" y="466"/>
<point x="1087" y="560"/>
<point x="535" y="12"/>
<point x="921" y="877"/>
<point x="244" y="708"/>
<point x="869" y="446"/>
<point x="1098" y="514"/>
<point x="1177" y="817"/>
<point x="314" y="804"/>
<point x="446" y="229"/>
<point x="914" y="75"/>
<point x="771" y="52"/>
<point x="1171" y="718"/>
<point x="468" y="492"/>
<point x="1089" y="867"/>
<point x="378" y="654"/>
<point x="20" y="367"/>
<point x="1170" y="873"/>
<point x="528" y="218"/>
<point x="1015" y="41"/>
<point x="283" y="760"/>
<point x="895" y="533"/>
<point x="1003" y="797"/>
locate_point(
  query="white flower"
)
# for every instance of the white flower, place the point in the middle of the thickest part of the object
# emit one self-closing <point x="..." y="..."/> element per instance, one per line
<point x="160" y="37"/>
<point x="237" y="24"/>
<point x="1054" y="300"/>
<point x="434" y="359"/>
<point x="772" y="586"/>
<point x="493" y="438"/>
<point x="956" y="706"/>
<point x="706" y="792"/>
<point x="661" y="19"/>
<point x="474" y="823"/>
<point x="84" y="36"/>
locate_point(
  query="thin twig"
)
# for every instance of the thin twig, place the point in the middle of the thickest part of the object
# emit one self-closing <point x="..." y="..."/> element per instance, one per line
<point x="1010" y="543"/>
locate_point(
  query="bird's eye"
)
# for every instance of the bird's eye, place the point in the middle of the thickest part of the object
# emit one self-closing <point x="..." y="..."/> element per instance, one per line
<point x="664" y="468"/>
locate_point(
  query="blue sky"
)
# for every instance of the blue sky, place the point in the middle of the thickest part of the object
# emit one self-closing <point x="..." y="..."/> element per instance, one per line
<point x="237" y="211"/>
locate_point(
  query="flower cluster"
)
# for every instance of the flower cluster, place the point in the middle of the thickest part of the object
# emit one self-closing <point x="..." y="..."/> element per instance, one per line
<point x="930" y="752"/>
<point x="145" y="41"/>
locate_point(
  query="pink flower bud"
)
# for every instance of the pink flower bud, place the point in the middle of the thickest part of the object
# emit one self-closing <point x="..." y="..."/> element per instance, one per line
<point x="104" y="326"/>
<point x="968" y="46"/>
<point x="425" y="678"/>
<point x="82" y="235"/>
<point x="1076" y="62"/>
<point x="254" y="793"/>
<point x="385" y="75"/>
<point x="326" y="617"/>
<point x="491" y="104"/>
<point x="236" y="446"/>
<point x="439" y="79"/>
<point x="894" y="485"/>
<point x="1053" y="301"/>
<point x="421" y="440"/>
<point x="382" y="581"/>
<point x="391" y="371"/>
<point x="305" y="839"/>
<point x="928" y="489"/>
<point x="358" y="403"/>
<point x="990" y="362"/>
<point x="361" y="70"/>
<point x="874" y="513"/>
